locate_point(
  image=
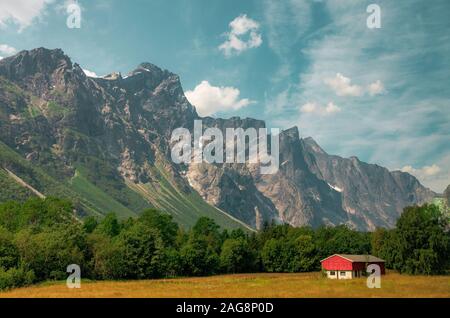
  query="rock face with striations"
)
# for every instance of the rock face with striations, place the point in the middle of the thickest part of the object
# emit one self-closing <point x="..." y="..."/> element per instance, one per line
<point x="447" y="196"/>
<point x="114" y="133"/>
<point x="371" y="195"/>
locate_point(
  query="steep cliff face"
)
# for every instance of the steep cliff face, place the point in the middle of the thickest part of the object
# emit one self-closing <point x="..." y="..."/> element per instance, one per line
<point x="292" y="195"/>
<point x="105" y="142"/>
<point x="231" y="186"/>
<point x="447" y="196"/>
<point x="371" y="195"/>
<point x="299" y="196"/>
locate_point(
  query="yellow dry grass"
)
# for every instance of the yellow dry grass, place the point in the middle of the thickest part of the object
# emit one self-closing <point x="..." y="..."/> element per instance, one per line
<point x="246" y="286"/>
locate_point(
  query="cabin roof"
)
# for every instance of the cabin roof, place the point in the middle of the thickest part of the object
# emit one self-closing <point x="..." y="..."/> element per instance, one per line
<point x="358" y="258"/>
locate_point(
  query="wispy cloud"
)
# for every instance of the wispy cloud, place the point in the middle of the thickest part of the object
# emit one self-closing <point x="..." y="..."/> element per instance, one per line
<point x="314" y="108"/>
<point x="342" y="86"/>
<point x="285" y="24"/>
<point x="427" y="171"/>
<point x="21" y="12"/>
<point x="435" y="176"/>
<point x="90" y="73"/>
<point x="7" y="50"/>
<point x="376" y="88"/>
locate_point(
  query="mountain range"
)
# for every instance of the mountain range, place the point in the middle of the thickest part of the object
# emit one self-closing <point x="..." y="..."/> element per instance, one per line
<point x="105" y="144"/>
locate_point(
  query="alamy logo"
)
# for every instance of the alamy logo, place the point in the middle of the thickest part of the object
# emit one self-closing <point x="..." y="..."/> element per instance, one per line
<point x="74" y="16"/>
<point x="74" y="279"/>
<point x="374" y="19"/>
<point x="208" y="146"/>
<point x="374" y="279"/>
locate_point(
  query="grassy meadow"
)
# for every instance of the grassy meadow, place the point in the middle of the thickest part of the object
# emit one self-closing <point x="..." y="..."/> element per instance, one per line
<point x="245" y="286"/>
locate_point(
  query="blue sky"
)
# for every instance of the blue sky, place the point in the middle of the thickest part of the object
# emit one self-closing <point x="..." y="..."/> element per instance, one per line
<point x="380" y="94"/>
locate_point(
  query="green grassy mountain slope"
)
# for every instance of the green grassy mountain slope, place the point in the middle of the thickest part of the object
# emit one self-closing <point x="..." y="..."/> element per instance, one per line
<point x="90" y="199"/>
<point x="186" y="207"/>
<point x="11" y="190"/>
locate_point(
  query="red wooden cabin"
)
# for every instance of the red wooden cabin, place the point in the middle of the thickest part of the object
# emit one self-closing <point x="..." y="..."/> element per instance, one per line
<point x="343" y="266"/>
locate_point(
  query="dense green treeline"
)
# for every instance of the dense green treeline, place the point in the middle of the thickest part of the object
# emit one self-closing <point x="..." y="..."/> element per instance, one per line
<point x="40" y="238"/>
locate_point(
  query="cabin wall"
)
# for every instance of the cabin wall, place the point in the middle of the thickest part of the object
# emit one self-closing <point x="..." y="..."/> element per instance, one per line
<point x="337" y="263"/>
<point x="332" y="274"/>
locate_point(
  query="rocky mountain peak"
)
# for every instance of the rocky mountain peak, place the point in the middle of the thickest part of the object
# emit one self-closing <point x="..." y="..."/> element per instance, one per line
<point x="233" y="122"/>
<point x="29" y="63"/>
<point x="149" y="77"/>
<point x="313" y="146"/>
<point x="291" y="133"/>
<point x="152" y="69"/>
<point x="114" y="76"/>
<point x="151" y="72"/>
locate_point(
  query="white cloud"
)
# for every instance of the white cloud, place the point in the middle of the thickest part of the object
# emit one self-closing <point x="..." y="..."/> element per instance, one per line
<point x="7" y="50"/>
<point x="332" y="108"/>
<point x="240" y="27"/>
<point x="436" y="176"/>
<point x="209" y="99"/>
<point x="342" y="86"/>
<point x="315" y="108"/>
<point x="21" y="12"/>
<point x="424" y="172"/>
<point x="308" y="108"/>
<point x="376" y="88"/>
<point x="90" y="73"/>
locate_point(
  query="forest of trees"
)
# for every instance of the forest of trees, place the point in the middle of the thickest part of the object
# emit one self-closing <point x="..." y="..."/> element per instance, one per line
<point x="40" y="238"/>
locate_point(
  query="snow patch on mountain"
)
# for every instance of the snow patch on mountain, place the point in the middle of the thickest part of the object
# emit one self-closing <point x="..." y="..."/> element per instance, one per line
<point x="336" y="188"/>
